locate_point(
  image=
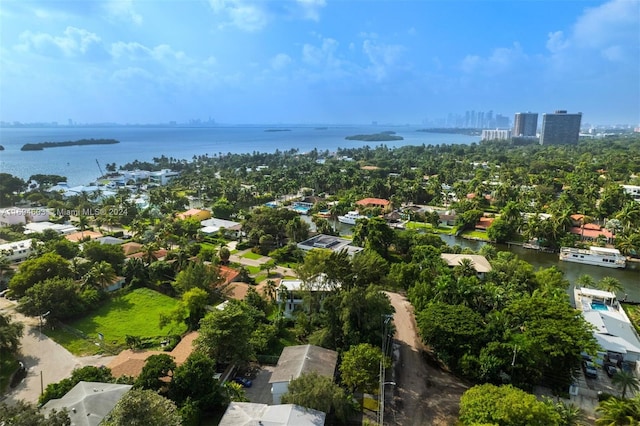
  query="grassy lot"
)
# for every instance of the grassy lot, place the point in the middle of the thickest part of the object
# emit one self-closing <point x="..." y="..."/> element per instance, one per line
<point x="252" y="255"/>
<point x="418" y="225"/>
<point x="135" y="313"/>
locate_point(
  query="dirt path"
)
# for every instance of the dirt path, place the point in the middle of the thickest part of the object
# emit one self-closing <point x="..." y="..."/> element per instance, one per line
<point x="424" y="394"/>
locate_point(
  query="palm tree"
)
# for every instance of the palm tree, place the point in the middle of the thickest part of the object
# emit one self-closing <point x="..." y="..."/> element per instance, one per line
<point x="587" y="281"/>
<point x="465" y="268"/>
<point x="625" y="381"/>
<point x="610" y="284"/>
<point x="101" y="275"/>
<point x="614" y="412"/>
<point x="629" y="215"/>
<point x="270" y="289"/>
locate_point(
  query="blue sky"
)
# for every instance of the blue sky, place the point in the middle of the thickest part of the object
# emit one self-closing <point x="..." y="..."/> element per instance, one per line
<point x="316" y="61"/>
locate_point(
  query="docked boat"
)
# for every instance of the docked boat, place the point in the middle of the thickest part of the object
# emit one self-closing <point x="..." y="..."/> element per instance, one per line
<point x="596" y="256"/>
<point x="350" y="218"/>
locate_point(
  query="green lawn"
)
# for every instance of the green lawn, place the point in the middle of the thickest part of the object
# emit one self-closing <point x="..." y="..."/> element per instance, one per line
<point x="253" y="269"/>
<point x="633" y="312"/>
<point x="252" y="255"/>
<point x="480" y="235"/>
<point x="418" y="225"/>
<point x="135" y="313"/>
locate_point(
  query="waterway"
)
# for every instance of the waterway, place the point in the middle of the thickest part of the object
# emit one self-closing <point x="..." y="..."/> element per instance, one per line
<point x="629" y="277"/>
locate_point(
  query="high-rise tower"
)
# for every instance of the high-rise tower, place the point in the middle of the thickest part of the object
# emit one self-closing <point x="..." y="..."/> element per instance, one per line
<point x="560" y="128"/>
<point x="525" y="124"/>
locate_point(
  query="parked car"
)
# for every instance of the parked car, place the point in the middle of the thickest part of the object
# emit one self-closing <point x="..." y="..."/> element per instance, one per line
<point x="19" y="375"/>
<point x="590" y="369"/>
<point x="610" y="369"/>
<point x="246" y="383"/>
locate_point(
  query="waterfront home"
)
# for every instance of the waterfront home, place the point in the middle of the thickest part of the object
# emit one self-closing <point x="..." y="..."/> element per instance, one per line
<point x="480" y="263"/>
<point x="612" y="328"/>
<point x="329" y="242"/>
<point x="162" y="177"/>
<point x="374" y="202"/>
<point x="297" y="360"/>
<point x="16" y="252"/>
<point x="592" y="232"/>
<point x="80" y="236"/>
<point x="251" y="414"/>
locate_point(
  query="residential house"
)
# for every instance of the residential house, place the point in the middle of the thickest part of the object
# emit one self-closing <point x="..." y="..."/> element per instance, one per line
<point x="12" y="216"/>
<point x="88" y="403"/>
<point x="162" y="177"/>
<point x="16" y="252"/>
<point x="214" y="225"/>
<point x="79" y="236"/>
<point x="484" y="223"/>
<point x="374" y="202"/>
<point x="329" y="242"/>
<point x="633" y="191"/>
<point x="612" y="328"/>
<point x="297" y="360"/>
<point x="291" y="292"/>
<point x="62" y="229"/>
<point x="480" y="263"/>
<point x="130" y="363"/>
<point x="593" y="232"/>
<point x="251" y="414"/>
<point x="198" y="214"/>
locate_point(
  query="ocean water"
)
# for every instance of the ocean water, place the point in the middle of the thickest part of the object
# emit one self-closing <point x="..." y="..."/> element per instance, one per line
<point x="78" y="163"/>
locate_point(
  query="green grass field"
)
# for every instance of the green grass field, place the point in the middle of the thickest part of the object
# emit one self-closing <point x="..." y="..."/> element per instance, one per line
<point x="135" y="314"/>
<point x="252" y="255"/>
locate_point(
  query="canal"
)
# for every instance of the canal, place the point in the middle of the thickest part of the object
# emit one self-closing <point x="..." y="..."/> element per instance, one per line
<point x="629" y="278"/>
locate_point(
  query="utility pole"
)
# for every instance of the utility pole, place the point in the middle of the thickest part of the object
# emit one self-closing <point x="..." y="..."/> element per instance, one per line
<point x="385" y="333"/>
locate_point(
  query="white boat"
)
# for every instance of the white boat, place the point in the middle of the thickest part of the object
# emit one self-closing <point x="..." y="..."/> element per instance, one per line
<point x="597" y="256"/>
<point x="351" y="217"/>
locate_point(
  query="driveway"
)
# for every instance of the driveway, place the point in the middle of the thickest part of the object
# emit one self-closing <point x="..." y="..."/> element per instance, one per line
<point x="424" y="394"/>
<point x="260" y="391"/>
<point x="46" y="361"/>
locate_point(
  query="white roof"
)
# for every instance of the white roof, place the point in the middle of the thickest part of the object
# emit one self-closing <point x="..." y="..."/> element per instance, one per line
<point x="250" y="414"/>
<point x="318" y="284"/>
<point x="32" y="227"/>
<point x="613" y="331"/>
<point x="596" y="293"/>
<point x="88" y="403"/>
<point x="23" y="244"/>
<point x="213" y="224"/>
<point x="480" y="263"/>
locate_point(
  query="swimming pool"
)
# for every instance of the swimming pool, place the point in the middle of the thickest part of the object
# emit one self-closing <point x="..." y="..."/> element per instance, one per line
<point x="597" y="306"/>
<point x="301" y="209"/>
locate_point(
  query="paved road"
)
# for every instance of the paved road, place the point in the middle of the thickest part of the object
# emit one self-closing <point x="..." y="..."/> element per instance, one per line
<point x="424" y="394"/>
<point x="46" y="361"/>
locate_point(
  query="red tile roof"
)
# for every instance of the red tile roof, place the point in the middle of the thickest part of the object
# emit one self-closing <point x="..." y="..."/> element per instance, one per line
<point x="373" y="202"/>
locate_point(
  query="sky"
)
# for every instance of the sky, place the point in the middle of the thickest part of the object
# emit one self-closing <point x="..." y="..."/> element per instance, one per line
<point x="316" y="61"/>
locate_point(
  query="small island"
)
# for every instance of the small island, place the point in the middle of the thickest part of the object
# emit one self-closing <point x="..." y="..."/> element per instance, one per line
<point x="1" y="148"/>
<point x="376" y="137"/>
<point x="453" y="130"/>
<point x="42" y="145"/>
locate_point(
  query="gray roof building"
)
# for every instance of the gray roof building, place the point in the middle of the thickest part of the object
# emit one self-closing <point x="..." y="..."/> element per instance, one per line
<point x="297" y="360"/>
<point x="330" y="242"/>
<point x="88" y="403"/>
<point x="250" y="414"/>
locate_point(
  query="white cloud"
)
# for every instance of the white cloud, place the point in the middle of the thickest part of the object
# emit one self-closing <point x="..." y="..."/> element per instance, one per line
<point x="382" y="57"/>
<point x="311" y="8"/>
<point x="556" y="42"/>
<point x="321" y="56"/>
<point x="500" y="60"/>
<point x="243" y="14"/>
<point x="280" y="61"/>
<point x="254" y="15"/>
<point x="124" y="10"/>
<point x="73" y="42"/>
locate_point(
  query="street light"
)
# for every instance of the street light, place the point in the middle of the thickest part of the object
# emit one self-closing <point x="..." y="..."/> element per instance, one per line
<point x="385" y="333"/>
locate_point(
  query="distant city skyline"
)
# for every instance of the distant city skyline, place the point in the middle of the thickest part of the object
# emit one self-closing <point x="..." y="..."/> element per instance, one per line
<point x="317" y="61"/>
